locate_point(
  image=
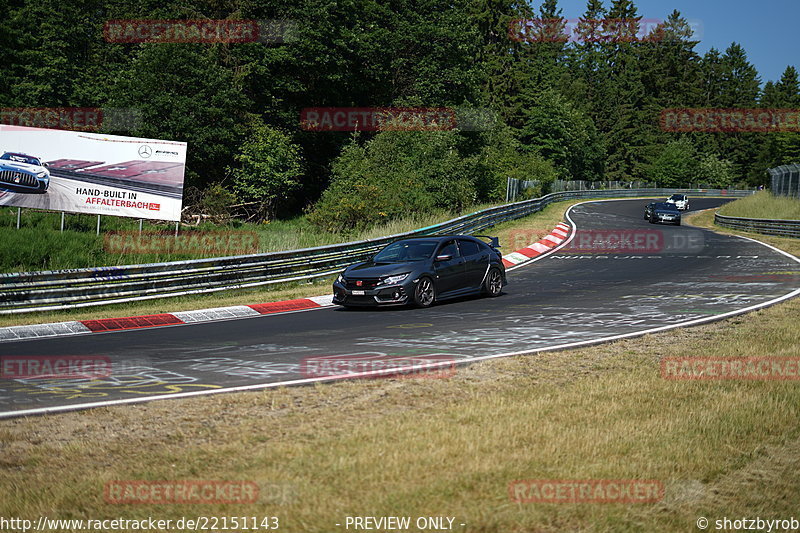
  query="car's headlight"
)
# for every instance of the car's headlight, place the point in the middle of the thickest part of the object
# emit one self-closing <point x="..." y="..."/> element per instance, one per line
<point x="40" y="175"/>
<point x="390" y="280"/>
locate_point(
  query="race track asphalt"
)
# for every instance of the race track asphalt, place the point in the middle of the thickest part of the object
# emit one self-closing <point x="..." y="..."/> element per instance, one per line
<point x="619" y="275"/>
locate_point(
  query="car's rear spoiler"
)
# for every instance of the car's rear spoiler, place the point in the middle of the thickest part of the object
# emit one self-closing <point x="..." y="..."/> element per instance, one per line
<point x="495" y="241"/>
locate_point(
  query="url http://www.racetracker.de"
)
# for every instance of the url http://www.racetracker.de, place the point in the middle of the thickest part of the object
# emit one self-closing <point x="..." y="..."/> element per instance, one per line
<point x="197" y="523"/>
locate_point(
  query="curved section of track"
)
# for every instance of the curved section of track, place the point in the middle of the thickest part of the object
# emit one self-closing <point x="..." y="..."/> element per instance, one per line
<point x="582" y="293"/>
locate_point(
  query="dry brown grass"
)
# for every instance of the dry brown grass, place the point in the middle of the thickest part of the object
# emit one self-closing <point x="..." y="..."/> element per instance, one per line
<point x="418" y="447"/>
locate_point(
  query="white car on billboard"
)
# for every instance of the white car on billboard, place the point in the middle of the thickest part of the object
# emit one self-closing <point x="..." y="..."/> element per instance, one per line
<point x="23" y="173"/>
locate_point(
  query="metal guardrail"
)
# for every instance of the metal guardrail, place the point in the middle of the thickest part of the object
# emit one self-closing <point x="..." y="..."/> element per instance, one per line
<point x="83" y="287"/>
<point x="765" y="226"/>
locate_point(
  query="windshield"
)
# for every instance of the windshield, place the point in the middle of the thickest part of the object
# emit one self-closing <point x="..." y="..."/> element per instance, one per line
<point x="666" y="207"/>
<point x="20" y="158"/>
<point x="676" y="197"/>
<point x="403" y="251"/>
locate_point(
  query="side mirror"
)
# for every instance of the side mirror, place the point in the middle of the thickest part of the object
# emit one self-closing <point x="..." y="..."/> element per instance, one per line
<point x="440" y="258"/>
<point x="45" y="164"/>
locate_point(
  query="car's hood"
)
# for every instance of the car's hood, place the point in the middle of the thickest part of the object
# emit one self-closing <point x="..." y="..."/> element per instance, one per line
<point x="377" y="270"/>
<point x="661" y="210"/>
<point x="25" y="167"/>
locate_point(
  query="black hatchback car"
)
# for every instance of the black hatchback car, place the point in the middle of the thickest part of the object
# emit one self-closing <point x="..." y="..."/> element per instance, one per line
<point x="421" y="271"/>
<point x="662" y="212"/>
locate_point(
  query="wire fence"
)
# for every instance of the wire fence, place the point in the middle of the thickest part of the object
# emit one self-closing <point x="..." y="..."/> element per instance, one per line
<point x="785" y="180"/>
<point x="517" y="188"/>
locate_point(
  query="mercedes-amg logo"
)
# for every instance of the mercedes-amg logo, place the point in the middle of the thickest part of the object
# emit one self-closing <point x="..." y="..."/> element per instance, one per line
<point x="145" y="151"/>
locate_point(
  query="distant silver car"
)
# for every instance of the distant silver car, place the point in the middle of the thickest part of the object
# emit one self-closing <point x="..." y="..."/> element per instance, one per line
<point x="680" y="201"/>
<point x="23" y="173"/>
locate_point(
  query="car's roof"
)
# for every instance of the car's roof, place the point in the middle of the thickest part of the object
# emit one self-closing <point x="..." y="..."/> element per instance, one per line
<point x="439" y="238"/>
<point x="22" y="154"/>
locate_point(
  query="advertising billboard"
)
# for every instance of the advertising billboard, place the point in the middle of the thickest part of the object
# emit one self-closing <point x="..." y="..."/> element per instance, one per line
<point x="83" y="172"/>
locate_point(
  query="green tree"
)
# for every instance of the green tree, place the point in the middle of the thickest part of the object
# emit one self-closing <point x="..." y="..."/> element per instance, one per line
<point x="715" y="172"/>
<point x="186" y="95"/>
<point x="501" y="157"/>
<point x="394" y="174"/>
<point x="502" y="27"/>
<point x="740" y="88"/>
<point x="780" y="147"/>
<point x="269" y="167"/>
<point x="676" y="166"/>
<point x="564" y="135"/>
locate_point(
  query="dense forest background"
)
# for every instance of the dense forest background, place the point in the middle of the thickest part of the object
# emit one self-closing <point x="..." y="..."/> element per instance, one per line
<point x="579" y="110"/>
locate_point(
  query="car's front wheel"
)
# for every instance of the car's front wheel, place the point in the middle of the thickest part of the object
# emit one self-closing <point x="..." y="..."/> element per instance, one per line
<point x="493" y="284"/>
<point x="424" y="292"/>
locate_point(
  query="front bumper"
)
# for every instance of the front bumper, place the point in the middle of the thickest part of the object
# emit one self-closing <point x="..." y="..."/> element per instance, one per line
<point x="23" y="182"/>
<point x="672" y="219"/>
<point x="397" y="294"/>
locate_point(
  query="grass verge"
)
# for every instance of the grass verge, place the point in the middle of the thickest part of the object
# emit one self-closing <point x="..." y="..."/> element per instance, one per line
<point x="705" y="219"/>
<point x="39" y="245"/>
<point x="763" y="204"/>
<point x="450" y="447"/>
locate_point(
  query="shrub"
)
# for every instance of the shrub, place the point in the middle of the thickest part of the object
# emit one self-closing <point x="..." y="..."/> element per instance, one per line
<point x="392" y="175"/>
